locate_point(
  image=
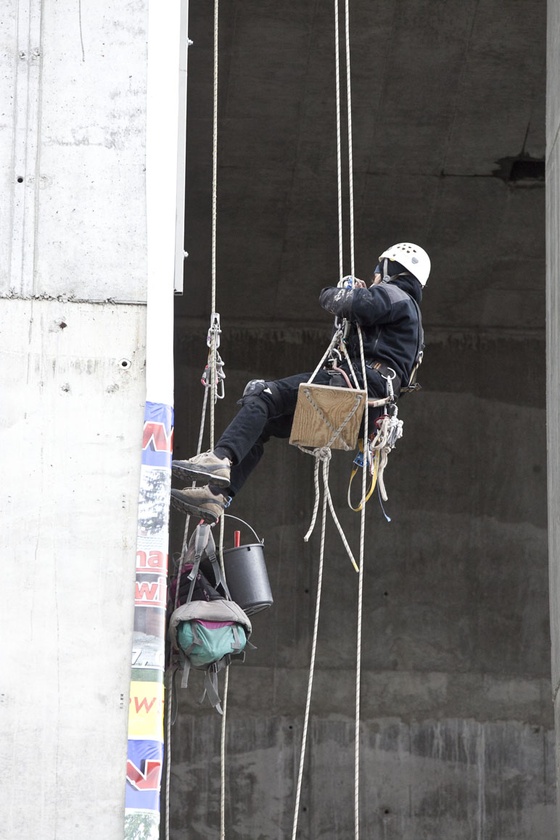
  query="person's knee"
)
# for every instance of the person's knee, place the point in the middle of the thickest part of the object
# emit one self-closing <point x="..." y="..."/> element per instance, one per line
<point x="260" y="393"/>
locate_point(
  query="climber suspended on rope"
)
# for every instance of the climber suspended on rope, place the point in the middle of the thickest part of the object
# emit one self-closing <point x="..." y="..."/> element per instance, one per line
<point x="387" y="311"/>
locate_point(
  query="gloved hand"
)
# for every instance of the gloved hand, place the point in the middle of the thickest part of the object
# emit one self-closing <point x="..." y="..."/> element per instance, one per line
<point x="350" y="282"/>
<point x="337" y="301"/>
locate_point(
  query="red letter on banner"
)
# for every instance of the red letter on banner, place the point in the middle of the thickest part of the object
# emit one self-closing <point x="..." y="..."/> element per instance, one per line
<point x="155" y="436"/>
<point x="149" y="780"/>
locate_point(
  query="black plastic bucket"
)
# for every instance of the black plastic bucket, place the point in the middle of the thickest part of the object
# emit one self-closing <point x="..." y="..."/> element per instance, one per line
<point x="247" y="578"/>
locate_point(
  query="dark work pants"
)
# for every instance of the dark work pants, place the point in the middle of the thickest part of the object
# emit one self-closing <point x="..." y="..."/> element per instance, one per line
<point x="266" y="416"/>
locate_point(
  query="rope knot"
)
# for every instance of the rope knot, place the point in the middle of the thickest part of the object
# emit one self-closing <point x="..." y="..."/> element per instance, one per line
<point x="323" y="453"/>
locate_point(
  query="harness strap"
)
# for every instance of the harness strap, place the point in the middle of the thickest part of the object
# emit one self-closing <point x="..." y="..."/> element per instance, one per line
<point x="216" y="568"/>
<point x="387" y="372"/>
<point x="197" y="545"/>
<point x="358" y="466"/>
<point x="211" y="688"/>
<point x="186" y="669"/>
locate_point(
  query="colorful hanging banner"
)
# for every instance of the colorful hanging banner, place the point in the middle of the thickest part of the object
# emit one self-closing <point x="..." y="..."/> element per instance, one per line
<point x="146" y="703"/>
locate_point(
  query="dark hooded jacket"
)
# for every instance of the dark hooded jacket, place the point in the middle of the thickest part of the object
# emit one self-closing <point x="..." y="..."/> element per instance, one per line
<point x="389" y="317"/>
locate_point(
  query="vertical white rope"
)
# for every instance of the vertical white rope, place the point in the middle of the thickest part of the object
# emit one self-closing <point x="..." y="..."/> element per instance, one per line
<point x="312" y="662"/>
<point x="338" y="141"/>
<point x="360" y="606"/>
<point x="212" y="371"/>
<point x="358" y="682"/>
<point x="213" y="374"/>
<point x="350" y="153"/>
<point x="202" y="422"/>
<point x="168" y="756"/>
<point x="364" y="471"/>
<point x="212" y="387"/>
<point x="223" y="731"/>
<point x="223" y="758"/>
<point x="364" y="373"/>
<point x="215" y="156"/>
<point x="176" y="604"/>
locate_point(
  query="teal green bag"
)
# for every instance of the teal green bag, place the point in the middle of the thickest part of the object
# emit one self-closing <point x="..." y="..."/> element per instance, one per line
<point x="207" y="642"/>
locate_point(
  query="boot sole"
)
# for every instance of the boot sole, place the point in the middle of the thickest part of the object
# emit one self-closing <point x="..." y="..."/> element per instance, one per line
<point x="193" y="474"/>
<point x="186" y="507"/>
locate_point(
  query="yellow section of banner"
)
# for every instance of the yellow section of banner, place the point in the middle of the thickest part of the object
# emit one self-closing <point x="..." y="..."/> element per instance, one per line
<point x="145" y="713"/>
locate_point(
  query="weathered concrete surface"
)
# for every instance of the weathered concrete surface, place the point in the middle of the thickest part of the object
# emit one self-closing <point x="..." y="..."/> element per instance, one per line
<point x="553" y="347"/>
<point x="72" y="149"/>
<point x="456" y="635"/>
<point x="457" y="717"/>
<point x="70" y="425"/>
<point x="444" y="95"/>
<point x="72" y="384"/>
<point x="457" y="733"/>
<point x="434" y="778"/>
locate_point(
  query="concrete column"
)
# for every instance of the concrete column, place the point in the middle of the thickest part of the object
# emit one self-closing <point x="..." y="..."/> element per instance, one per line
<point x="72" y="338"/>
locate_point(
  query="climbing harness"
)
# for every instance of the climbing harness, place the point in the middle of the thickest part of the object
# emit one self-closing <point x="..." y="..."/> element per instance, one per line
<point x="388" y="430"/>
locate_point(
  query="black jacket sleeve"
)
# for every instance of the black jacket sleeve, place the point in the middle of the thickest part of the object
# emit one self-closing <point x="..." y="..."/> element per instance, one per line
<point x="337" y="301"/>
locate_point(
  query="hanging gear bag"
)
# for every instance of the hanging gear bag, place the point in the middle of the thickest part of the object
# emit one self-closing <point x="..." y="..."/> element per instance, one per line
<point x="208" y="632"/>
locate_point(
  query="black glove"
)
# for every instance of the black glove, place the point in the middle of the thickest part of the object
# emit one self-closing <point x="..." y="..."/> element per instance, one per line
<point x="337" y="301"/>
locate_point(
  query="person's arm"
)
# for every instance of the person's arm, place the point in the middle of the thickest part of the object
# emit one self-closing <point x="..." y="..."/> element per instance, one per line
<point x="337" y="301"/>
<point x="365" y="306"/>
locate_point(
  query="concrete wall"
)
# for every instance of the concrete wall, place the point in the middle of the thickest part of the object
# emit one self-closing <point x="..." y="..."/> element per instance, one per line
<point x="457" y="732"/>
<point x="457" y="720"/>
<point x="553" y="320"/>
<point x="457" y="724"/>
<point x="72" y="243"/>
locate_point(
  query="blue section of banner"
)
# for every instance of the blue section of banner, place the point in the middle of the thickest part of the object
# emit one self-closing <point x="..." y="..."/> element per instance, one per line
<point x="157" y="442"/>
<point x="143" y="775"/>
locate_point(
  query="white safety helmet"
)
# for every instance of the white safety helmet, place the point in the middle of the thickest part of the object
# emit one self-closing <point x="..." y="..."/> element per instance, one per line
<point x="412" y="257"/>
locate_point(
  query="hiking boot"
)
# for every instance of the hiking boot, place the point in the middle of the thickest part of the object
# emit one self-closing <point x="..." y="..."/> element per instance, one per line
<point x="199" y="501"/>
<point x="205" y="468"/>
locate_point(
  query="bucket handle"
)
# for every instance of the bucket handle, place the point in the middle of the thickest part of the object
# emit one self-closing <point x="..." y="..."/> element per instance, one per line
<point x="230" y="516"/>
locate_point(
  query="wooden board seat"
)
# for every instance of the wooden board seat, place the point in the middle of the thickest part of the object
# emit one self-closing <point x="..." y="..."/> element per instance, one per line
<point x="327" y="416"/>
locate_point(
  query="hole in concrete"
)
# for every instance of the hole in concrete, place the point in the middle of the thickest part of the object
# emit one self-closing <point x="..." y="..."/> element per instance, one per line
<point x="520" y="168"/>
<point x="20" y="179"/>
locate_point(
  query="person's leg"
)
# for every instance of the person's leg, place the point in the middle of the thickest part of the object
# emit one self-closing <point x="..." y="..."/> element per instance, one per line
<point x="278" y="427"/>
<point x="261" y="406"/>
<point x="271" y="414"/>
<point x="267" y="410"/>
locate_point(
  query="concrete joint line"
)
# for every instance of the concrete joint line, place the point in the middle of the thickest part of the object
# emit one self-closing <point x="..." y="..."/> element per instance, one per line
<point x="13" y="295"/>
<point x="27" y="104"/>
